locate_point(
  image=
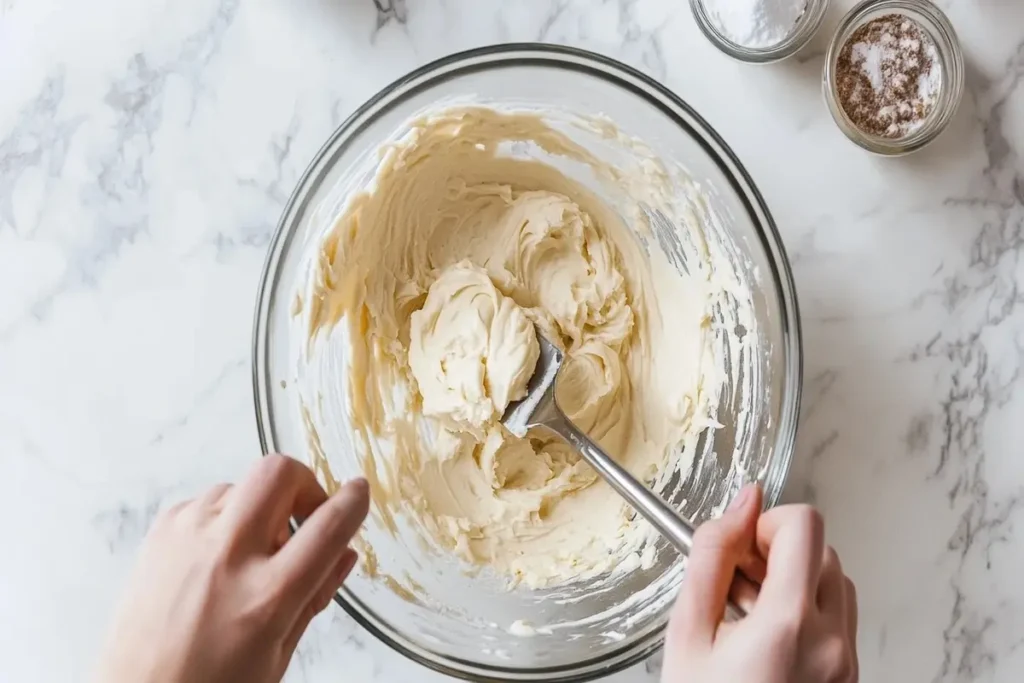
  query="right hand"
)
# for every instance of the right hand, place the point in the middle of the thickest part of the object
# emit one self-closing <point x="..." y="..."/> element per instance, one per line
<point x="801" y="628"/>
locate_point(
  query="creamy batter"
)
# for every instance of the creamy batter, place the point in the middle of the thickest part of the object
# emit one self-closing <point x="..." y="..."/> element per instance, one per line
<point x="444" y="269"/>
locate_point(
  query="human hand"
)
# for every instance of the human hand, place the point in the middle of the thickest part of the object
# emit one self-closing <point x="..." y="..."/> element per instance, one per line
<point x="222" y="590"/>
<point x="801" y="628"/>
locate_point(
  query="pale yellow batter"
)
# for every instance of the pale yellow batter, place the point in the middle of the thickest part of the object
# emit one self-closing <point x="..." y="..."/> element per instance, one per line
<point x="441" y="269"/>
<point x="472" y="350"/>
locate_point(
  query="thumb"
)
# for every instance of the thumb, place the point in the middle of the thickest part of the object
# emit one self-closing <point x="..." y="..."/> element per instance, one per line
<point x="718" y="548"/>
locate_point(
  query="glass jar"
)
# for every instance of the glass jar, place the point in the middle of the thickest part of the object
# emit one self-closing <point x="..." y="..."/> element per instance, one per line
<point x="806" y="26"/>
<point x="951" y="61"/>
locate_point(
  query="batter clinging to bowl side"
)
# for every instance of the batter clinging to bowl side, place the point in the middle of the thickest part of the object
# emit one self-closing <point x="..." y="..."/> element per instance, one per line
<point x="441" y="269"/>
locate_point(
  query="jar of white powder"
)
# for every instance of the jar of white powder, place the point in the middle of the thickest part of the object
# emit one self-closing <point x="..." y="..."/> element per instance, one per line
<point x="759" y="31"/>
<point x="894" y="75"/>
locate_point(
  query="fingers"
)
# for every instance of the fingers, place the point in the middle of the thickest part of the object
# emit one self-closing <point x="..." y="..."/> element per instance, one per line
<point x="320" y="600"/>
<point x="306" y="561"/>
<point x="277" y="488"/>
<point x="749" y="576"/>
<point x="718" y="548"/>
<point x="832" y="586"/>
<point x="280" y="538"/>
<point x="213" y="500"/>
<point x="851" y="626"/>
<point x="792" y="537"/>
<point x="851" y="610"/>
<point x="744" y="591"/>
<point x="837" y="602"/>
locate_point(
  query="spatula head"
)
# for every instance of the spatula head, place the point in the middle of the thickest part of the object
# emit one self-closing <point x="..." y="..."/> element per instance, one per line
<point x="522" y="414"/>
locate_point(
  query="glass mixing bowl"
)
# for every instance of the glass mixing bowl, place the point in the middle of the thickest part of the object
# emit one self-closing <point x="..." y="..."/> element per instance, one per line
<point x="471" y="626"/>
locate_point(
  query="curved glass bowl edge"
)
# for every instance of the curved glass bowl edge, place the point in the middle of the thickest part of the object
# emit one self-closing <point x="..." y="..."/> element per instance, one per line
<point x="565" y="57"/>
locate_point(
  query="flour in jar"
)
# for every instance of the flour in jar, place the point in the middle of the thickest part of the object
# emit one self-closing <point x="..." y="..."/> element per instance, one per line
<point x="757" y="24"/>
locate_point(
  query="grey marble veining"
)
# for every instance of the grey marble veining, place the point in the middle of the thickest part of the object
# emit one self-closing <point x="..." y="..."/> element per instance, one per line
<point x="147" y="149"/>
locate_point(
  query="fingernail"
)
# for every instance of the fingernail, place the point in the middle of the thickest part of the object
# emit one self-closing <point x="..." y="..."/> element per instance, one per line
<point x="358" y="485"/>
<point x="352" y="498"/>
<point x="742" y="498"/>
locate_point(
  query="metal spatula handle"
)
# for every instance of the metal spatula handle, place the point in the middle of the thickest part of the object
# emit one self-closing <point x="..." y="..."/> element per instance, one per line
<point x="669" y="524"/>
<point x="662" y="517"/>
<point x="540" y="408"/>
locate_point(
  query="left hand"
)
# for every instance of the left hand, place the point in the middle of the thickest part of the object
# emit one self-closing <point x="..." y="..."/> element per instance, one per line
<point x="222" y="590"/>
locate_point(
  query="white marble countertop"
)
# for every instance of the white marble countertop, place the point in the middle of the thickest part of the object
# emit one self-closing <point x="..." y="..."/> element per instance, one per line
<point x="147" y="148"/>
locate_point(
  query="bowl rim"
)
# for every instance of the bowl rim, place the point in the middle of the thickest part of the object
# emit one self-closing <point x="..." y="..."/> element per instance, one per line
<point x="655" y="94"/>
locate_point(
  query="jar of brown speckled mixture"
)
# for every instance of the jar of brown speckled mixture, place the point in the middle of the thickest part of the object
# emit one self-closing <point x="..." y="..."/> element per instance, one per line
<point x="894" y="75"/>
